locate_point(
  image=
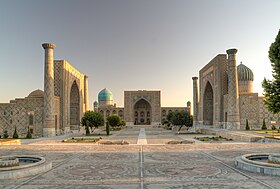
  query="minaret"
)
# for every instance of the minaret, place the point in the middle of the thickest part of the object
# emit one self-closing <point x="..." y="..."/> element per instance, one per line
<point x="195" y="101"/>
<point x="48" y="120"/>
<point x="233" y="119"/>
<point x="86" y="92"/>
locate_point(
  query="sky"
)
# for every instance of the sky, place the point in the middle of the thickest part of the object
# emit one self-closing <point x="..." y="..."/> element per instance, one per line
<point x="133" y="44"/>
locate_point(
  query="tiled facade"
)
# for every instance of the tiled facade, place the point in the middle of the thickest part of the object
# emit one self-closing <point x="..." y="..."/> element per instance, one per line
<point x="214" y="104"/>
<point x="141" y="107"/>
<point x="66" y="102"/>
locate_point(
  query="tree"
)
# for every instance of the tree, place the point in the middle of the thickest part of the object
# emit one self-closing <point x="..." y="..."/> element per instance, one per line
<point x="6" y="135"/>
<point x="92" y="119"/>
<point x="15" y="135"/>
<point x="29" y="135"/>
<point x="247" y="125"/>
<point x="264" y="125"/>
<point x="180" y="119"/>
<point x="272" y="87"/>
<point x="114" y="120"/>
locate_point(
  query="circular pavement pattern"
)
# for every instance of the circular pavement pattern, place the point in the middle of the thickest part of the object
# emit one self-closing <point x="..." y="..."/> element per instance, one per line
<point x="188" y="171"/>
<point x="164" y="156"/>
<point x="86" y="171"/>
<point x="75" y="187"/>
<point x="203" y="186"/>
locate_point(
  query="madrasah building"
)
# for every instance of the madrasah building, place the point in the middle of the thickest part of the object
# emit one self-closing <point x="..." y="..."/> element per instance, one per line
<point x="141" y="107"/>
<point x="225" y="97"/>
<point x="56" y="110"/>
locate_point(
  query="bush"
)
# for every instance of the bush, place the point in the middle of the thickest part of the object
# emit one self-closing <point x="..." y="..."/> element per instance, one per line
<point x="122" y="122"/>
<point x="247" y="125"/>
<point x="264" y="125"/>
<point x="273" y="127"/>
<point x="6" y="135"/>
<point x="29" y="135"/>
<point x="15" y="135"/>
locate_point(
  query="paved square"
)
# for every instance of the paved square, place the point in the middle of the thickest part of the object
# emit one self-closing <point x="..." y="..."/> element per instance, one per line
<point x="152" y="166"/>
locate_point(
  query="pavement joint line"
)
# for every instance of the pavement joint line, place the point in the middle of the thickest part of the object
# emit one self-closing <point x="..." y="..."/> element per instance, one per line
<point x="238" y="171"/>
<point x="141" y="168"/>
<point x="36" y="176"/>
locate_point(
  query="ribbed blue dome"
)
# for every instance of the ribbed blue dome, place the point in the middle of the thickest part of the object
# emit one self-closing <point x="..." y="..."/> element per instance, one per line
<point x="244" y="73"/>
<point x="105" y="95"/>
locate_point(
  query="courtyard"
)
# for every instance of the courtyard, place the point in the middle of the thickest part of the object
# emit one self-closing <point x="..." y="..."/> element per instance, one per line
<point x="147" y="162"/>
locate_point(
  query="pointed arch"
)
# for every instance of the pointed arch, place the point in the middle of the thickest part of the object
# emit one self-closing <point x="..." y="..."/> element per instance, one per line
<point x="74" y="105"/>
<point x="208" y="104"/>
<point x="142" y="112"/>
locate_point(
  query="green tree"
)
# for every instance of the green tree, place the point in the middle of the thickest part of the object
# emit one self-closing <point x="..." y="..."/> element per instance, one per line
<point x="92" y="119"/>
<point x="247" y="125"/>
<point x="6" y="135"/>
<point x="29" y="135"/>
<point x="114" y="120"/>
<point x="272" y="87"/>
<point x="180" y="119"/>
<point x="264" y="125"/>
<point x="169" y="116"/>
<point x="15" y="135"/>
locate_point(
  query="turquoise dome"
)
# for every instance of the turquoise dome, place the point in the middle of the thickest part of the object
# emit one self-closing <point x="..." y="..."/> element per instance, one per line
<point x="244" y="73"/>
<point x="105" y="95"/>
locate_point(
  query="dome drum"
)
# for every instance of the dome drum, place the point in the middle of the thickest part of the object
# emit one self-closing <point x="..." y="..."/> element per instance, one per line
<point x="245" y="79"/>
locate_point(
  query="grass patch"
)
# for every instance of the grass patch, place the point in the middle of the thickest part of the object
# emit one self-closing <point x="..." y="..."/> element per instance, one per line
<point x="15" y="138"/>
<point x="115" y="128"/>
<point x="269" y="132"/>
<point x="99" y="134"/>
<point x="81" y="140"/>
<point x="206" y="139"/>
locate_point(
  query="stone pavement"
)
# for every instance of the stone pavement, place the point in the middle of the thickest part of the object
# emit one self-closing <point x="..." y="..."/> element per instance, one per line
<point x="152" y="166"/>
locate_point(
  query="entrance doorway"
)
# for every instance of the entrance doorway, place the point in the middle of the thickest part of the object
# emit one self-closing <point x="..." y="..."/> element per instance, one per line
<point x="142" y="112"/>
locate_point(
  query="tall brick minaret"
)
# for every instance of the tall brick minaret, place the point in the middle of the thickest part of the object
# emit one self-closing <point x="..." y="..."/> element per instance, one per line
<point x="48" y="120"/>
<point x="233" y="120"/>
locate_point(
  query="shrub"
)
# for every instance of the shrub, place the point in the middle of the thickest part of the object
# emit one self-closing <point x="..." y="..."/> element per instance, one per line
<point x="122" y="122"/>
<point x="29" y="135"/>
<point x="273" y="127"/>
<point x="6" y="135"/>
<point x="247" y="125"/>
<point x="15" y="135"/>
<point x="264" y="125"/>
